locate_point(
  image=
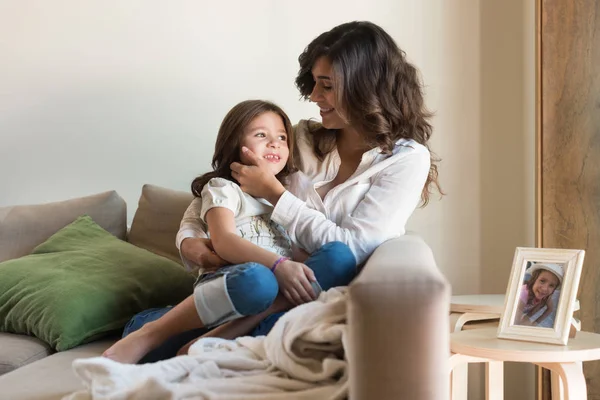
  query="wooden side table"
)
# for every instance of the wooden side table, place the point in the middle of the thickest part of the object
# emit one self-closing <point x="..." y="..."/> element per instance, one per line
<point x="477" y="312"/>
<point x="471" y="312"/>
<point x="482" y="345"/>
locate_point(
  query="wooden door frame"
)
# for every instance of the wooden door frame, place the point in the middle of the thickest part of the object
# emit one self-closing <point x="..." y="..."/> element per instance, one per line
<point x="542" y="389"/>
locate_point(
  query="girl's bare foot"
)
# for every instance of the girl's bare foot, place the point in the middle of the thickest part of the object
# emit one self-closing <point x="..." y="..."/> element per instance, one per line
<point x="133" y="347"/>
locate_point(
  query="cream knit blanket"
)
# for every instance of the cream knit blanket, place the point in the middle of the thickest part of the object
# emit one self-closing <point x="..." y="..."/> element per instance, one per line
<point x="301" y="358"/>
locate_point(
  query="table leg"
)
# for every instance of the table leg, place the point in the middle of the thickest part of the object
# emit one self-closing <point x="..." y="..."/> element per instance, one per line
<point x="460" y="373"/>
<point x="460" y="382"/>
<point x="494" y="380"/>
<point x="556" y="387"/>
<point x="458" y="363"/>
<point x="572" y="378"/>
<point x="459" y="368"/>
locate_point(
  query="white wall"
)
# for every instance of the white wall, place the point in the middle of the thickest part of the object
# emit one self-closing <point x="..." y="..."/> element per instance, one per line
<point x="112" y="94"/>
<point x="101" y="95"/>
<point x="507" y="152"/>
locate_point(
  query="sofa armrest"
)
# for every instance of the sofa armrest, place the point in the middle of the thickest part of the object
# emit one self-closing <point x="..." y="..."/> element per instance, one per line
<point x="398" y="313"/>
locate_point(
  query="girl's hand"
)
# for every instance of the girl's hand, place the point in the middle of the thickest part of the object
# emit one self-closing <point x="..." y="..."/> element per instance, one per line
<point x="200" y="251"/>
<point x="257" y="179"/>
<point x="294" y="281"/>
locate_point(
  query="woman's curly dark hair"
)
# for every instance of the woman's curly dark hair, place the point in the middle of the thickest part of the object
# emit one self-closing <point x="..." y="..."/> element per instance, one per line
<point x="379" y="90"/>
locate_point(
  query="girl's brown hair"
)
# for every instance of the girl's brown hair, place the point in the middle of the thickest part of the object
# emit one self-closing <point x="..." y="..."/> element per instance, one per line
<point x="227" y="147"/>
<point x="379" y="90"/>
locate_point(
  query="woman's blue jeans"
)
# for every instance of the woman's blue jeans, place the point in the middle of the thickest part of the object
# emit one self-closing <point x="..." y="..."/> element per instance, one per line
<point x="252" y="290"/>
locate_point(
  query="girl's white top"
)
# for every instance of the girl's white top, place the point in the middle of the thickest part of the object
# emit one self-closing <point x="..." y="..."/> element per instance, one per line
<point x="372" y="206"/>
<point x="252" y="216"/>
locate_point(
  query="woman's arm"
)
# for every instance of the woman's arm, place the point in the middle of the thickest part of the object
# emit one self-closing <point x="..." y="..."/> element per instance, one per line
<point x="195" y="248"/>
<point x="190" y="226"/>
<point x="381" y="215"/>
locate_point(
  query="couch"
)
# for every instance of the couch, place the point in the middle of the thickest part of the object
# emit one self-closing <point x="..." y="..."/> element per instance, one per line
<point x="398" y="308"/>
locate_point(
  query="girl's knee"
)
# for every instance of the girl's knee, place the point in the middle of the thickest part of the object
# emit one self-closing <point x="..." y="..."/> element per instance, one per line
<point x="252" y="290"/>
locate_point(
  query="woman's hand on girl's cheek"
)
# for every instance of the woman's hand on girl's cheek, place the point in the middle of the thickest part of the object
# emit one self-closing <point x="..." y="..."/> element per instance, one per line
<point x="257" y="179"/>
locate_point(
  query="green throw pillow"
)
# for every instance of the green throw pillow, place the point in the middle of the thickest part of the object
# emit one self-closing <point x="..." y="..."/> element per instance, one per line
<point x="83" y="283"/>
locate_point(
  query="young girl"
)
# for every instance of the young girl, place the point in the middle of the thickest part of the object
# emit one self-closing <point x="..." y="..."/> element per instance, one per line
<point x="262" y="279"/>
<point x="537" y="293"/>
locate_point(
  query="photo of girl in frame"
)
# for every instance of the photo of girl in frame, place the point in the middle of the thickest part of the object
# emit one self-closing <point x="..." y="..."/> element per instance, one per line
<point x="539" y="294"/>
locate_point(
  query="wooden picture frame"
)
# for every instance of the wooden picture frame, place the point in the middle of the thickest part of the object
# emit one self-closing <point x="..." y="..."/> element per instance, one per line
<point x="541" y="293"/>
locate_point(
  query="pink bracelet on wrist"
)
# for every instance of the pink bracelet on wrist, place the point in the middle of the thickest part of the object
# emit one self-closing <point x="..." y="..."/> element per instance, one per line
<point x="279" y="261"/>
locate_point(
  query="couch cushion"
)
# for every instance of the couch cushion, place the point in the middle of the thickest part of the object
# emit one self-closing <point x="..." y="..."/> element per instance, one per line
<point x="51" y="378"/>
<point x="24" y="227"/>
<point x="157" y="220"/>
<point x="83" y="283"/>
<point x="19" y="350"/>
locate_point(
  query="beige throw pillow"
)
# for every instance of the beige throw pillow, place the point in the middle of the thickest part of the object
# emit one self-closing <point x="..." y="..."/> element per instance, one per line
<point x="22" y="228"/>
<point x="157" y="218"/>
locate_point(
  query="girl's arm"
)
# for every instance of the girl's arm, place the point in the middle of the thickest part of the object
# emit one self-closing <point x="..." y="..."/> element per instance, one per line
<point x="231" y="247"/>
<point x="293" y="277"/>
<point x="522" y="318"/>
<point x="520" y="307"/>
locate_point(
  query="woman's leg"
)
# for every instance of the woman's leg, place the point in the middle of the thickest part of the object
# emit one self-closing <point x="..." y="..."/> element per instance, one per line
<point x="247" y="289"/>
<point x="333" y="265"/>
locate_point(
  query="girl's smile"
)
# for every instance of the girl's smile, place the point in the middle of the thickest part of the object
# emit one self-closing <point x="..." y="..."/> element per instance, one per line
<point x="272" y="157"/>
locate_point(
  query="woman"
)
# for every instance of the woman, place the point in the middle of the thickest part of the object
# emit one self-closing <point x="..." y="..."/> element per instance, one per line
<point x="363" y="170"/>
